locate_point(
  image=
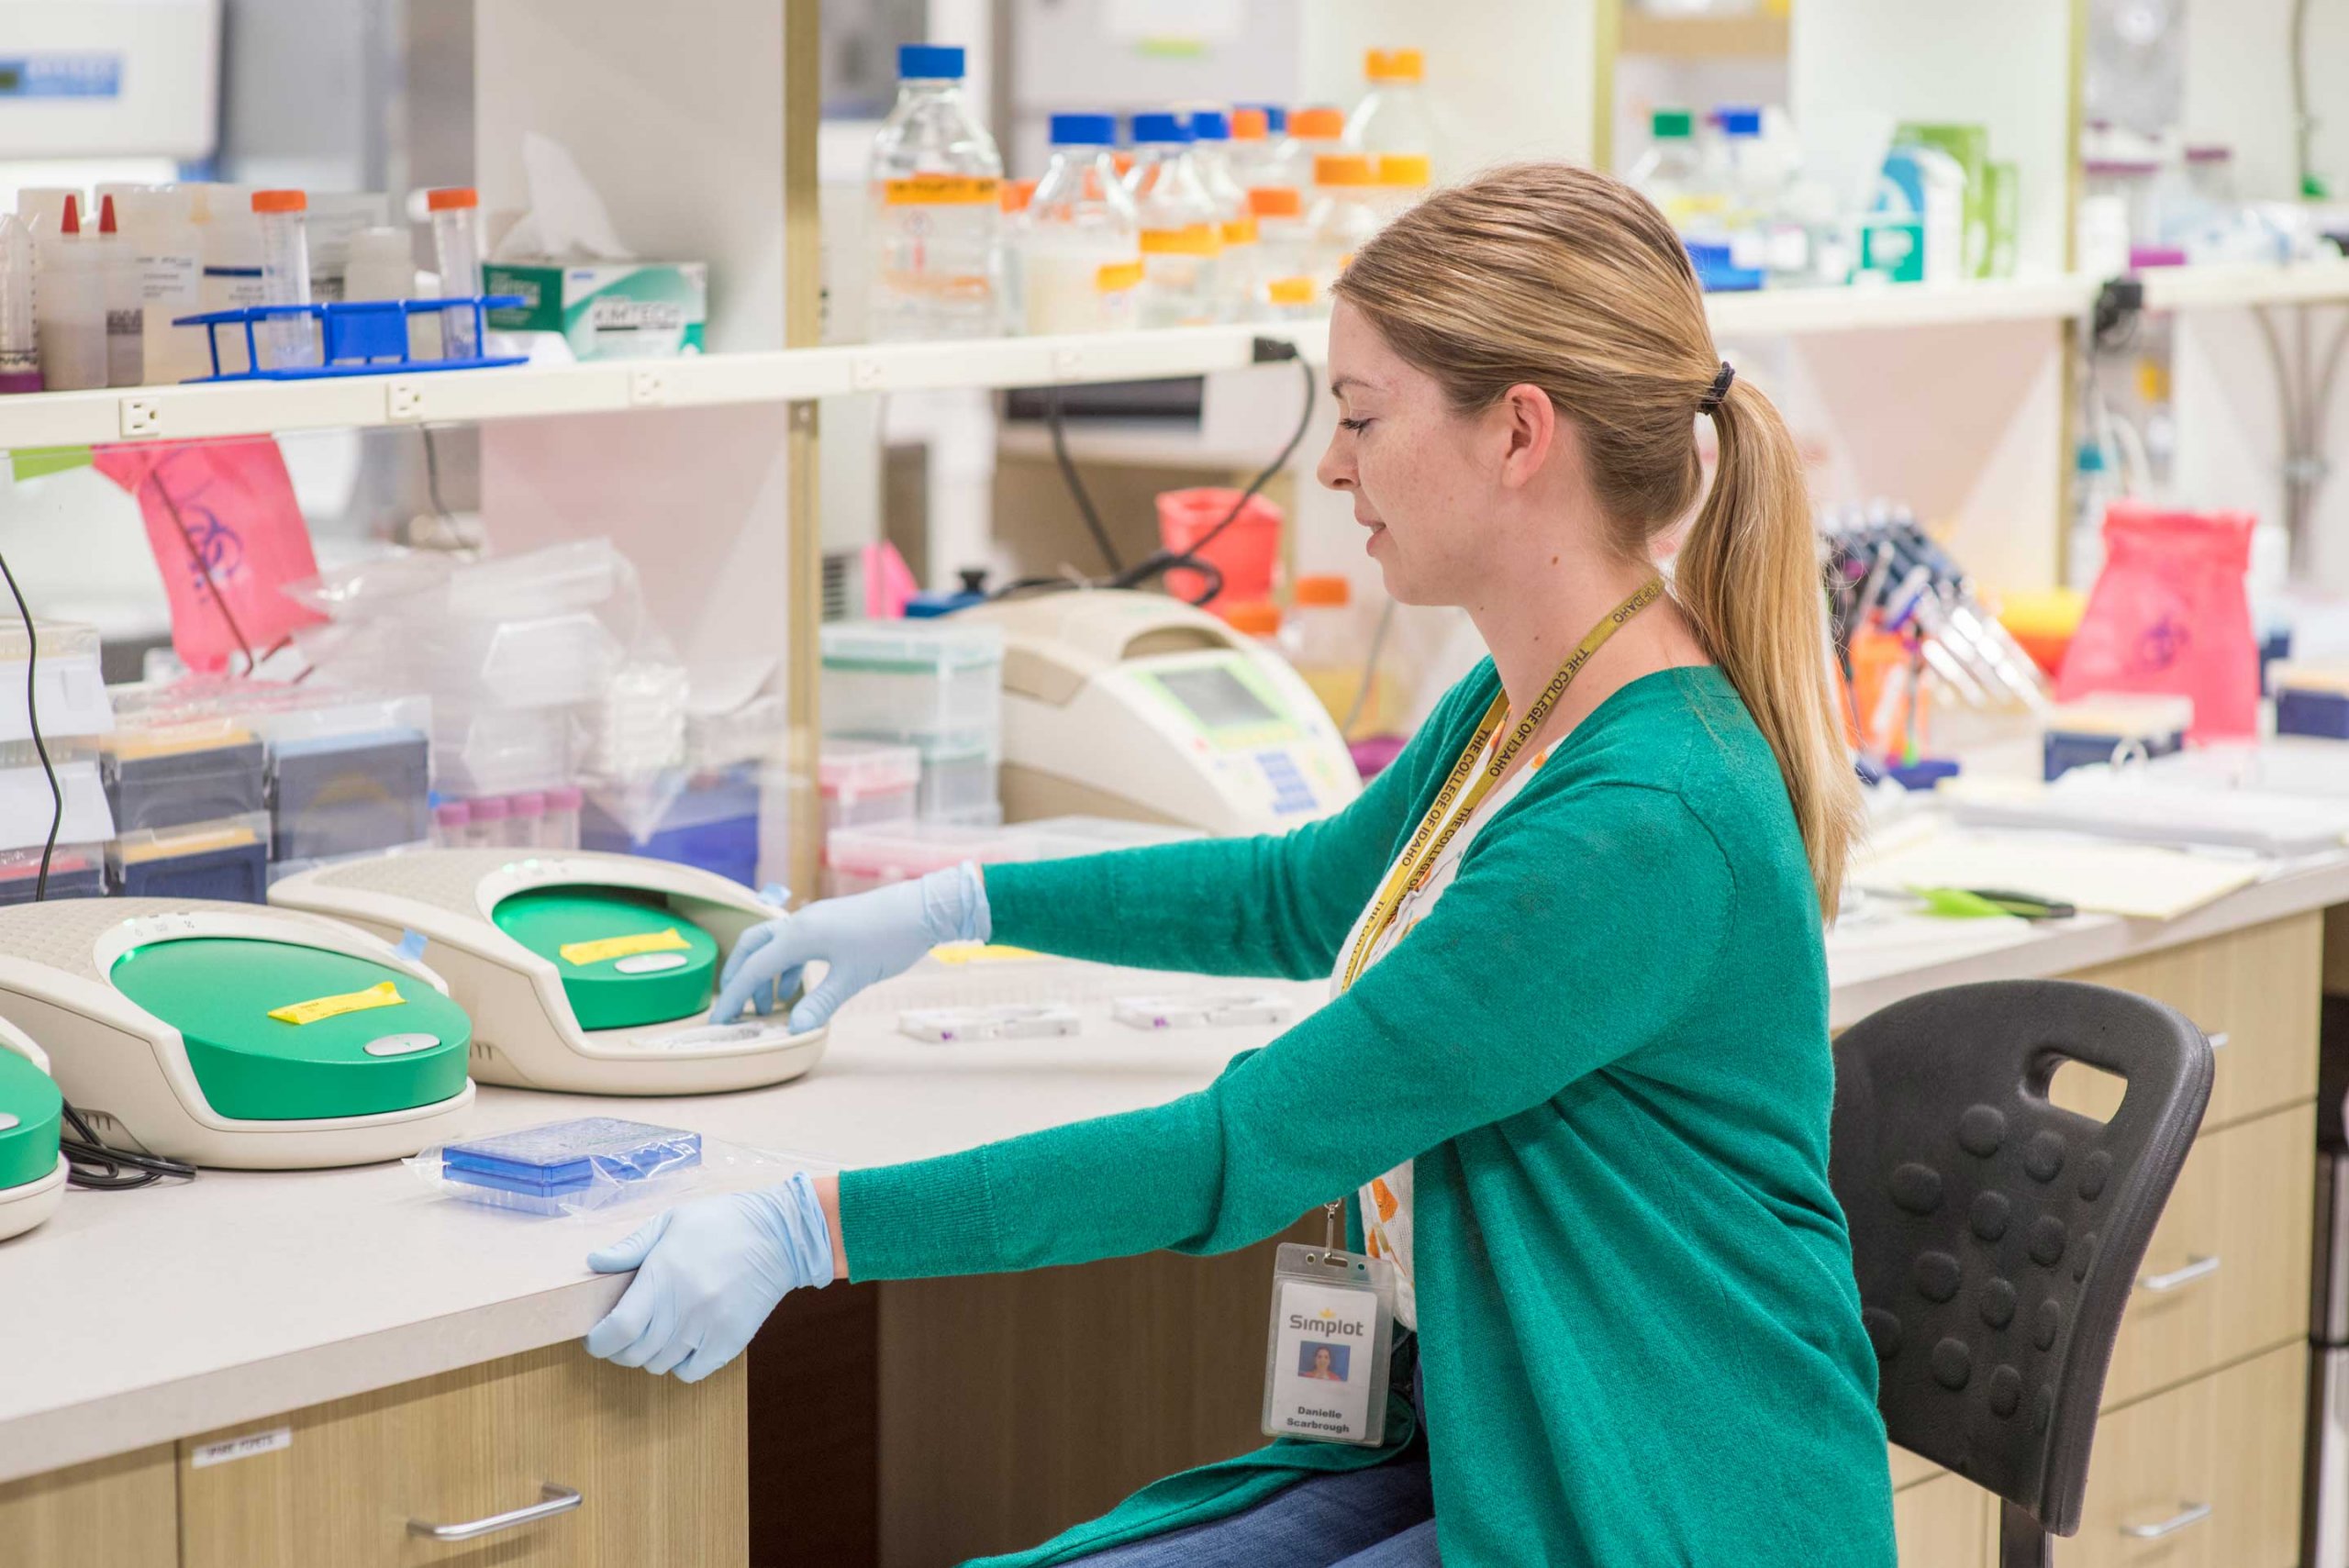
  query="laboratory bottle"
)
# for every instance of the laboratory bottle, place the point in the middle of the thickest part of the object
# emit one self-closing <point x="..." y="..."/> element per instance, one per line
<point x="1255" y="129"/>
<point x="230" y="244"/>
<point x="1329" y="643"/>
<point x="1181" y="238"/>
<point x="1399" y="182"/>
<point x="1394" y="115"/>
<point x="43" y="207"/>
<point x="287" y="343"/>
<point x="936" y="214"/>
<point x="1285" y="290"/>
<point x="1236" y="270"/>
<point x="1344" y="216"/>
<point x="157" y="227"/>
<point x="20" y="340"/>
<point x="126" y="325"/>
<point x="70" y="306"/>
<point x="1670" y="173"/>
<point x="456" y="247"/>
<point x="1746" y="187"/>
<point x="1311" y="133"/>
<point x="1080" y="248"/>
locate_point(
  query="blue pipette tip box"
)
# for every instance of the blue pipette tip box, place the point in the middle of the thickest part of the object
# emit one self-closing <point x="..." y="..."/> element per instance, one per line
<point x="564" y="1157"/>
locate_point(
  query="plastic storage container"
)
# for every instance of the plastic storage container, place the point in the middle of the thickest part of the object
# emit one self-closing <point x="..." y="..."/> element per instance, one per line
<point x="75" y="870"/>
<point x="937" y="684"/>
<point x="960" y="785"/>
<point x="1080" y="244"/>
<point x="69" y="687"/>
<point x="857" y="859"/>
<point x="712" y="823"/>
<point x="567" y="1166"/>
<point x="936" y="217"/>
<point x="226" y="860"/>
<point x="167" y="771"/>
<point x="79" y="807"/>
<point x="864" y="781"/>
<point x="560" y="827"/>
<point x="1182" y="236"/>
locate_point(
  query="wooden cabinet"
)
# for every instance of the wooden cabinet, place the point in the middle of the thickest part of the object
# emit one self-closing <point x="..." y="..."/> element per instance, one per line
<point x="2207" y="1475"/>
<point x="2255" y="992"/>
<point x="115" y="1513"/>
<point x="2227" y="1274"/>
<point x="658" y="1469"/>
<point x="1945" y="1522"/>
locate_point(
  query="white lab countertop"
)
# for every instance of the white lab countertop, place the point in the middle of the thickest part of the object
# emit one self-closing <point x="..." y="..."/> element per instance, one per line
<point x="134" y="1319"/>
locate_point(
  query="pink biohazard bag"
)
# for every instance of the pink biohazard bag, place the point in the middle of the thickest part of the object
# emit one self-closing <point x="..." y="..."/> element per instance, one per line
<point x="227" y="536"/>
<point x="2169" y="615"/>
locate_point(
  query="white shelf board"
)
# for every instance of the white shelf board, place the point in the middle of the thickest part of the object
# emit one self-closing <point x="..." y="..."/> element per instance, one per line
<point x="2208" y="287"/>
<point x="1892" y="305"/>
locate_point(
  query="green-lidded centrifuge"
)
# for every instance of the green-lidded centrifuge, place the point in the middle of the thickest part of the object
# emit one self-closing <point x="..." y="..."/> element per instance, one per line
<point x="626" y="958"/>
<point x="581" y="972"/>
<point x="231" y="1035"/>
<point x="32" y="1173"/>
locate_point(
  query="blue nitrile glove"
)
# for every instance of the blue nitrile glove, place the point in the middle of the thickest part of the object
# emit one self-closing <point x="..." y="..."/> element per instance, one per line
<point x="864" y="937"/>
<point x="708" y="1274"/>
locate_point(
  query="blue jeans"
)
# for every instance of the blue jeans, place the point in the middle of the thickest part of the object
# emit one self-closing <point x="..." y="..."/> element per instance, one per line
<point x="1383" y="1517"/>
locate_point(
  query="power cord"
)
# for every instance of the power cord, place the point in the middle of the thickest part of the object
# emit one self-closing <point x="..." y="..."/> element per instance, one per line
<point x="1265" y="352"/>
<point x="91" y="1162"/>
<point x="1076" y="483"/>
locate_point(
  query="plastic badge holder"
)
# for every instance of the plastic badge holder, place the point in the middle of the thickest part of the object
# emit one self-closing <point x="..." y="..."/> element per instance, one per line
<point x="567" y="1167"/>
<point x="1219" y="1011"/>
<point x="947" y="1026"/>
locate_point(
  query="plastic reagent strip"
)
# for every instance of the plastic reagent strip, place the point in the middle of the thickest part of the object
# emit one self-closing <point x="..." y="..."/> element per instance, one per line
<point x="382" y="994"/>
<point x="583" y="953"/>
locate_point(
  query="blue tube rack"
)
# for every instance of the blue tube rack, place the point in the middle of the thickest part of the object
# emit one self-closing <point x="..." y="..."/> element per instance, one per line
<point x="358" y="336"/>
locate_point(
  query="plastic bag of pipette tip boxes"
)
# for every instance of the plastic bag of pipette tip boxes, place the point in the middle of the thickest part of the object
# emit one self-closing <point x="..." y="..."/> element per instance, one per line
<point x="596" y="1165"/>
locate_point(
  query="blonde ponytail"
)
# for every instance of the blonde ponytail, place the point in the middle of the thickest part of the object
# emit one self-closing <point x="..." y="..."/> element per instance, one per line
<point x="1549" y="276"/>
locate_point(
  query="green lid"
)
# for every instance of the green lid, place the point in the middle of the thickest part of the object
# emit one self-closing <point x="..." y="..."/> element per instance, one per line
<point x="219" y="992"/>
<point x="29" y="1106"/>
<point x="649" y="985"/>
<point x="1666" y="125"/>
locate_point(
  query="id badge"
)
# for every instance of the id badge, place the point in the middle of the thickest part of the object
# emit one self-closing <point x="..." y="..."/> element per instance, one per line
<point x="1333" y="1324"/>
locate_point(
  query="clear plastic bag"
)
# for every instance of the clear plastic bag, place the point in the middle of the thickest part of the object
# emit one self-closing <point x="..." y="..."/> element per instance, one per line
<point x="597" y="1165"/>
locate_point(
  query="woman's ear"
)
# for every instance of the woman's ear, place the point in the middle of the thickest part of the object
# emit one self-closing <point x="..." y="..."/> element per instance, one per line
<point x="1528" y="425"/>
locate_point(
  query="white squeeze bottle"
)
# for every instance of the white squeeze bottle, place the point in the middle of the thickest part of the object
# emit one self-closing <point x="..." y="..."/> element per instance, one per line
<point x="70" y="306"/>
<point x="937" y="217"/>
<point x="1181" y="234"/>
<point x="230" y="240"/>
<point x="1080" y="252"/>
<point x="1236" y="270"/>
<point x="119" y="270"/>
<point x="158" y="226"/>
<point x="19" y="339"/>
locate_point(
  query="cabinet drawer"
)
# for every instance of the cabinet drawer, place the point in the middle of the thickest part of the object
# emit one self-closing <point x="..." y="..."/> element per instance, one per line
<point x="2227" y="1271"/>
<point x="658" y="1468"/>
<point x="2207" y="1475"/>
<point x="1947" y="1522"/>
<point x="2254" y="993"/>
<point x="120" y="1511"/>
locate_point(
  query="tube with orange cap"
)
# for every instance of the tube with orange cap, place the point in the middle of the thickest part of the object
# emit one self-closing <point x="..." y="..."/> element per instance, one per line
<point x="456" y="244"/>
<point x="282" y="218"/>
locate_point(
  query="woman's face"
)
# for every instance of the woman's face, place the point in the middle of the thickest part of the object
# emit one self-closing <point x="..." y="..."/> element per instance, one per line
<point x="1424" y="480"/>
<point x="1321" y="1360"/>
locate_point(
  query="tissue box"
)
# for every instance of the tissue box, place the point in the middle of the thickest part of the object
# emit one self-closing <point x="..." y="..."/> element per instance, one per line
<point x="607" y="311"/>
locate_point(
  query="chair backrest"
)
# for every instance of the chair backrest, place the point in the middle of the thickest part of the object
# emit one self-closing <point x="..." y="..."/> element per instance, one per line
<point x="1996" y="1236"/>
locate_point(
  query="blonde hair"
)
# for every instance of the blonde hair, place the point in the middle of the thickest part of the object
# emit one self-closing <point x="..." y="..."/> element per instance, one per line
<point x="1550" y="276"/>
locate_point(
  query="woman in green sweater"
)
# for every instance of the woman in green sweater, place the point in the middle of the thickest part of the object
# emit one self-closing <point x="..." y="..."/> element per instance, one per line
<point x="1574" y="1080"/>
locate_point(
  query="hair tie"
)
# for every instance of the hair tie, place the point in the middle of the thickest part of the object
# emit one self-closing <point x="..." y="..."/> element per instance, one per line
<point x="1711" y="402"/>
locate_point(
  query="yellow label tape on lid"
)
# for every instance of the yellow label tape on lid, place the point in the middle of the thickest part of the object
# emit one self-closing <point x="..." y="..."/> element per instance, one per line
<point x="382" y="994"/>
<point x="981" y="952"/>
<point x="624" y="947"/>
<point x="942" y="190"/>
<point x="1117" y="276"/>
<point x="1191" y="239"/>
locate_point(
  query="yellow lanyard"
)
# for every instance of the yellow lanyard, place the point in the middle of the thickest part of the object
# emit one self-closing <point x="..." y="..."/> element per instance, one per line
<point x="1436" y="829"/>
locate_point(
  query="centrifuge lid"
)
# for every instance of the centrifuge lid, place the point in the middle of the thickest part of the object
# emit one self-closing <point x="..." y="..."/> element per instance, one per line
<point x="222" y="993"/>
<point x="29" y="1106"/>
<point x="626" y="958"/>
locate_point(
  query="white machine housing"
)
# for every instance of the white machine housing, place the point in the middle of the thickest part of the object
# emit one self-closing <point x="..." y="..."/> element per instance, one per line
<point x="125" y="78"/>
<point x="525" y="1032"/>
<point x="22" y="1207"/>
<point x="127" y="1071"/>
<point x="1118" y="704"/>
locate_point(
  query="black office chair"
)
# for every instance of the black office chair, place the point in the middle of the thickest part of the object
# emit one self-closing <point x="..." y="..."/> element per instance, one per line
<point x="1996" y="1236"/>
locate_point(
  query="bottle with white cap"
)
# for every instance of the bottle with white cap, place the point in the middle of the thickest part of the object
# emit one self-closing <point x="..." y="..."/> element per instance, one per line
<point x="1182" y="238"/>
<point x="120" y="275"/>
<point x="70" y="306"/>
<point x="19" y="341"/>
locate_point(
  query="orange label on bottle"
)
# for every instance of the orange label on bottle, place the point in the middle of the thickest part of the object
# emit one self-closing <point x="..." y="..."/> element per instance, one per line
<point x="1240" y="231"/>
<point x="1191" y="239"/>
<point x="1117" y="276"/>
<point x="942" y="190"/>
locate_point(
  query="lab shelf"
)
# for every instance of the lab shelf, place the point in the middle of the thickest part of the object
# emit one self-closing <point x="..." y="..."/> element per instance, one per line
<point x="196" y="410"/>
<point x="1701" y="37"/>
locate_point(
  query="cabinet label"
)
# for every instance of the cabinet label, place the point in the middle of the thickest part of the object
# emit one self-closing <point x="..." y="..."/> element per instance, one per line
<point x="244" y="1447"/>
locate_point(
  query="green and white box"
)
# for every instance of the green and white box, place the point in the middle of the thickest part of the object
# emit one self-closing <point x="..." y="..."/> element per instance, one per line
<point x="607" y="311"/>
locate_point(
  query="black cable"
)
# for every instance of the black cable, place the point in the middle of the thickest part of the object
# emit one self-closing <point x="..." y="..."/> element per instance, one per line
<point x="1076" y="483"/>
<point x="432" y="480"/>
<point x="32" y="721"/>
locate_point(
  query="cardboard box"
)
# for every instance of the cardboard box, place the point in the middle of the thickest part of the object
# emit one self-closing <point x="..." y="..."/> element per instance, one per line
<point x="607" y="311"/>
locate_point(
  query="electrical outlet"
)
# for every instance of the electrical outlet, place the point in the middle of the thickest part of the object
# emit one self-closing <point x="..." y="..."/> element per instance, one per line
<point x="403" y="400"/>
<point x="1066" y="363"/>
<point x="867" y="373"/>
<point x="647" y="385"/>
<point x="141" y="417"/>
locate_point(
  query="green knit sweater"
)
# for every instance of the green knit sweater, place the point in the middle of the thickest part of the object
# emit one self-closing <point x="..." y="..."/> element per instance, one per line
<point x="1607" y="1048"/>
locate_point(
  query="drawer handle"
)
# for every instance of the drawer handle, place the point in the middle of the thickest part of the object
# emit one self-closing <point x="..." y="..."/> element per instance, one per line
<point x="2192" y="1514"/>
<point x="2178" y="1279"/>
<point x="555" y="1500"/>
<point x="2217" y="1041"/>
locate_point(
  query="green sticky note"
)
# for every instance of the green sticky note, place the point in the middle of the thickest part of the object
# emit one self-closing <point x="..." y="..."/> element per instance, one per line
<point x="33" y="462"/>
